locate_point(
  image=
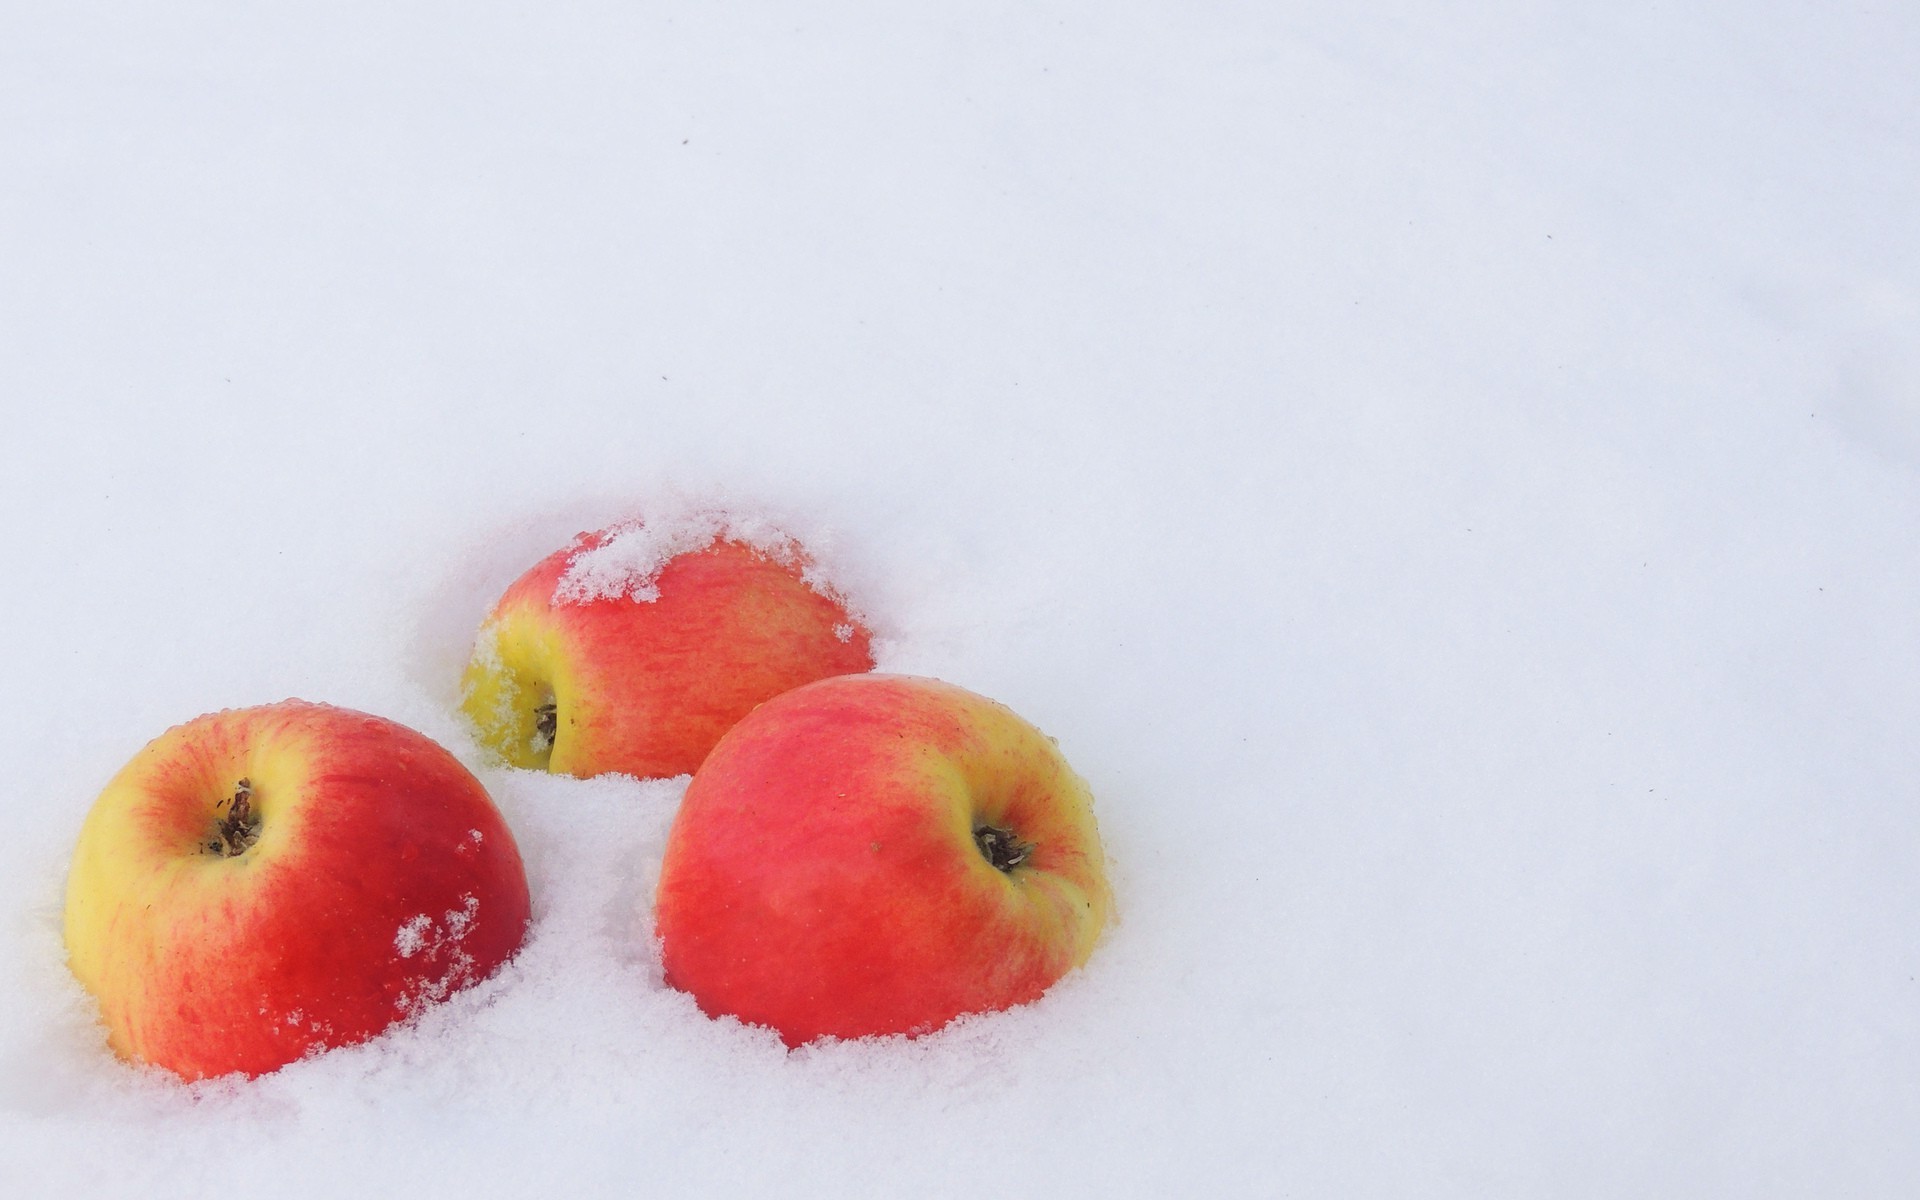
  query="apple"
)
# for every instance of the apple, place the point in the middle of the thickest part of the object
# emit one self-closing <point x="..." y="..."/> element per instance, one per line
<point x="263" y="883"/>
<point x="634" y="648"/>
<point x="878" y="854"/>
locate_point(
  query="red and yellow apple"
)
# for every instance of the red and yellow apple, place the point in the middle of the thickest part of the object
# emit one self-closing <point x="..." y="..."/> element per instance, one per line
<point x="624" y="653"/>
<point x="261" y="884"/>
<point x="879" y="854"/>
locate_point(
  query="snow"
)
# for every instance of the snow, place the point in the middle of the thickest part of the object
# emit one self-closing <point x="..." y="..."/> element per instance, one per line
<point x="627" y="562"/>
<point x="1447" y="480"/>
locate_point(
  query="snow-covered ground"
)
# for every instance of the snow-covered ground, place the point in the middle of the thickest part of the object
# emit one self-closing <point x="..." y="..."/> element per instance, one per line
<point x="1448" y="476"/>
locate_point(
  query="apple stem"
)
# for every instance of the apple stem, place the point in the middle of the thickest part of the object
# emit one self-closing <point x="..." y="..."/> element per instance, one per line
<point x="546" y="722"/>
<point x="999" y="847"/>
<point x="240" y="828"/>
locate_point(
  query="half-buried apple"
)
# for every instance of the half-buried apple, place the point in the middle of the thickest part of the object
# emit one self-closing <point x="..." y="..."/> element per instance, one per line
<point x="879" y="854"/>
<point x="261" y="884"/>
<point x="634" y="648"/>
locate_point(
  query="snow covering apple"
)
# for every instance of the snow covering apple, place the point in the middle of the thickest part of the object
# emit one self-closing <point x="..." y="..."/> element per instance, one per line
<point x="879" y="854"/>
<point x="260" y="884"/>
<point x="634" y="648"/>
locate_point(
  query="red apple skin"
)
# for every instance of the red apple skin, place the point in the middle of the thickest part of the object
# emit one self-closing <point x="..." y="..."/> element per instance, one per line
<point x="382" y="880"/>
<point x="822" y="875"/>
<point x="646" y="687"/>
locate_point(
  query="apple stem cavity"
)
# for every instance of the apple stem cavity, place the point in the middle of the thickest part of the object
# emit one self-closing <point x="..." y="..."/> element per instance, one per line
<point x="546" y="723"/>
<point x="236" y="832"/>
<point x="999" y="847"/>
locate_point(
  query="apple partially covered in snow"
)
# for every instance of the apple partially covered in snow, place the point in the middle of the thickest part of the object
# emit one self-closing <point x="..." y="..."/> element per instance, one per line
<point x="260" y="884"/>
<point x="879" y="854"/>
<point x="634" y="648"/>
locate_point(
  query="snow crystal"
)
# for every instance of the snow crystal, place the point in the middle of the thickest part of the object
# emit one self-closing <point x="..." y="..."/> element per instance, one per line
<point x="422" y="932"/>
<point x="460" y="921"/>
<point x="412" y="937"/>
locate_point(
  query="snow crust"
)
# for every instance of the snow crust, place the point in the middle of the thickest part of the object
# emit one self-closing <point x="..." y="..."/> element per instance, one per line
<point x="628" y="560"/>
<point x="1447" y="478"/>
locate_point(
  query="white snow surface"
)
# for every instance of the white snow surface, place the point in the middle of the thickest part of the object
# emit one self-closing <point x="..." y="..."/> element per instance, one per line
<point x="1448" y="477"/>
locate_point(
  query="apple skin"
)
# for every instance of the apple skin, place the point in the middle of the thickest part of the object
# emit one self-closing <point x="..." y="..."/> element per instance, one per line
<point x="382" y="879"/>
<point x="646" y="687"/>
<point x="822" y="876"/>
